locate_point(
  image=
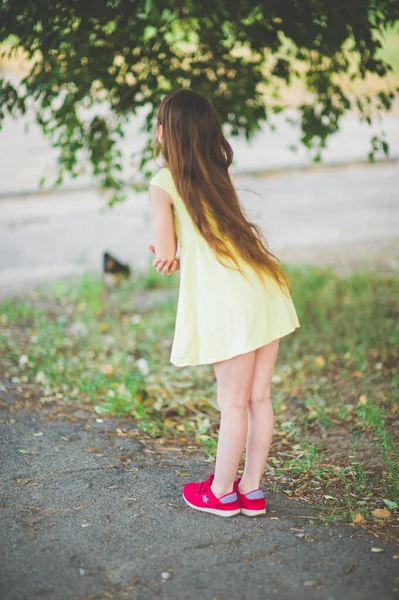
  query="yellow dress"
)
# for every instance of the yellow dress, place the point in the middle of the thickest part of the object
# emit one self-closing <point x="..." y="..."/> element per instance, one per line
<point x="219" y="313"/>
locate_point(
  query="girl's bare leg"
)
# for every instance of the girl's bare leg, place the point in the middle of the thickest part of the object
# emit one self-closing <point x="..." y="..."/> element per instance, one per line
<point x="260" y="418"/>
<point x="234" y="381"/>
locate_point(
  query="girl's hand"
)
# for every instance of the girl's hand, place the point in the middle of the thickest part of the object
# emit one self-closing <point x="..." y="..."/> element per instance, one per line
<point x="164" y="266"/>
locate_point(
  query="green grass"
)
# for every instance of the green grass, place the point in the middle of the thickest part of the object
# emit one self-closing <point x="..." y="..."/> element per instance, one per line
<point x="335" y="389"/>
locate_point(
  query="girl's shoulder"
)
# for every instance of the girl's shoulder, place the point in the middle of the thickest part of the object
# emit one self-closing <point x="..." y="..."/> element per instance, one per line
<point x="164" y="180"/>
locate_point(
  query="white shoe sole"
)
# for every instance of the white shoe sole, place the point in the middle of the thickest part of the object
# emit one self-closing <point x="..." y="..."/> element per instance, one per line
<point x="214" y="511"/>
<point x="253" y="513"/>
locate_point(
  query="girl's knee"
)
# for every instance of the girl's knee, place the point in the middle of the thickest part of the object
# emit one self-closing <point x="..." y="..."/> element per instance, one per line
<point x="259" y="397"/>
<point x="233" y="400"/>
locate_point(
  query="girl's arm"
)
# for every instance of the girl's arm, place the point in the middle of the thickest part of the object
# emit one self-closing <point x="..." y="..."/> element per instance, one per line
<point x="164" y="230"/>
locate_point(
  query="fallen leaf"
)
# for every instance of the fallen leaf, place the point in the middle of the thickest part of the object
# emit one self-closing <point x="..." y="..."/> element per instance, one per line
<point x="358" y="519"/>
<point x="377" y="549"/>
<point x="320" y="361"/>
<point x="381" y="513"/>
<point x="107" y="370"/>
<point x="363" y="399"/>
<point x="349" y="569"/>
<point x="272" y="549"/>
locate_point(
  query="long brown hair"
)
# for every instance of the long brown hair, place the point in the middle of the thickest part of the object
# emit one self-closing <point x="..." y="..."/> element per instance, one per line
<point x="198" y="156"/>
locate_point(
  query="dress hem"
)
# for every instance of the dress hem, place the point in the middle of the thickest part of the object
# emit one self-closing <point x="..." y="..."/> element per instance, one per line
<point x="209" y="362"/>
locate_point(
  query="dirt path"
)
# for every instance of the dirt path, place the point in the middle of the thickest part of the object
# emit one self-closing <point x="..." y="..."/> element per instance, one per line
<point x="92" y="509"/>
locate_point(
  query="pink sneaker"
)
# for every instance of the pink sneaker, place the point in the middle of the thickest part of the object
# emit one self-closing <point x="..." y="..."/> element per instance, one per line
<point x="201" y="497"/>
<point x="253" y="503"/>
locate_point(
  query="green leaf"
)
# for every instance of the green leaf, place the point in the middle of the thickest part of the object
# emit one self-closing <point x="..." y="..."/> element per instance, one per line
<point x="390" y="504"/>
<point x="385" y="148"/>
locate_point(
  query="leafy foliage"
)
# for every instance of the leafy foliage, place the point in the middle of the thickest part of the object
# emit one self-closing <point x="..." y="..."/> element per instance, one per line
<point x="93" y="64"/>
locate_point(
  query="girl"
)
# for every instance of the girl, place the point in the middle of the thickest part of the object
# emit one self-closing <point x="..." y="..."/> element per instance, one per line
<point x="234" y="300"/>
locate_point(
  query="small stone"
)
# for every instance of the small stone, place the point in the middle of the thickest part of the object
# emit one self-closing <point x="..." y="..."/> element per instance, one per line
<point x="165" y="575"/>
<point x="41" y="377"/>
<point x="23" y="360"/>
<point x="143" y="367"/>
